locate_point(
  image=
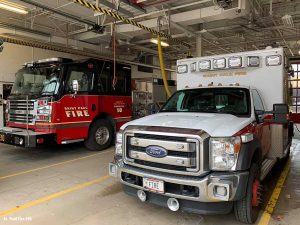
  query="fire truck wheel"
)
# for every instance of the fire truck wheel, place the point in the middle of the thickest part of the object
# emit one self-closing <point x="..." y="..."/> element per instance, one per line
<point x="247" y="209"/>
<point x="100" y="135"/>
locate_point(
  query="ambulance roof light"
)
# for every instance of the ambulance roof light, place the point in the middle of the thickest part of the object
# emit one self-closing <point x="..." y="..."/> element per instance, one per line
<point x="211" y="84"/>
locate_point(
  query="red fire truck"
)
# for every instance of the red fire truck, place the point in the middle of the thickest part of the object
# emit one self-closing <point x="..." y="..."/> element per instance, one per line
<point x="64" y="101"/>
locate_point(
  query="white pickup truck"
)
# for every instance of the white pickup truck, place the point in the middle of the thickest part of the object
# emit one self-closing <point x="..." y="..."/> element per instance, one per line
<point x="215" y="140"/>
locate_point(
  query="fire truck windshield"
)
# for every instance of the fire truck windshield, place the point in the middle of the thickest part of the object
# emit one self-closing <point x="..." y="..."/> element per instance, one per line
<point x="235" y="101"/>
<point x="37" y="81"/>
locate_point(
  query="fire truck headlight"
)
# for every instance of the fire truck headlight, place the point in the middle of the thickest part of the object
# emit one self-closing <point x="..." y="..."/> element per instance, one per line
<point x="44" y="113"/>
<point x="119" y="143"/>
<point x="224" y="153"/>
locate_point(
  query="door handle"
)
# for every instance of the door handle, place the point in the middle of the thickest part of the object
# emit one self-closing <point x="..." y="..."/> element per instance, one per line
<point x="94" y="107"/>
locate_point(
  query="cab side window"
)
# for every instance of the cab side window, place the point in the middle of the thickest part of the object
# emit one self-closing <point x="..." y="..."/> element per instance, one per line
<point x="258" y="103"/>
<point x="84" y="77"/>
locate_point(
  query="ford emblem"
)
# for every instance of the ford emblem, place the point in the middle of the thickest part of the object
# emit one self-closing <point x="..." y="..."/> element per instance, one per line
<point x="156" y="151"/>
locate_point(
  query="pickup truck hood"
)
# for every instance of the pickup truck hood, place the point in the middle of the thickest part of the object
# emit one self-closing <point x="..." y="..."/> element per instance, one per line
<point x="215" y="124"/>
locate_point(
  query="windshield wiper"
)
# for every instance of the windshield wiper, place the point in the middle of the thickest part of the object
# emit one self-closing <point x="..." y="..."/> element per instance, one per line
<point x="47" y="93"/>
<point x="227" y="112"/>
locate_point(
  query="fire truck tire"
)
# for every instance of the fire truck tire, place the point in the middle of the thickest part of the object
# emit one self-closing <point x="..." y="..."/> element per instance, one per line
<point x="100" y="135"/>
<point x="247" y="209"/>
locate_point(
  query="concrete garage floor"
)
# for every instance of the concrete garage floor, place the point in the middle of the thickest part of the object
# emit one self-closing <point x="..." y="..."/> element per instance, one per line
<point x="69" y="185"/>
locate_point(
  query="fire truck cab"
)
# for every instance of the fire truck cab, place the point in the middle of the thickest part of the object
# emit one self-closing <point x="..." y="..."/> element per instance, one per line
<point x="64" y="101"/>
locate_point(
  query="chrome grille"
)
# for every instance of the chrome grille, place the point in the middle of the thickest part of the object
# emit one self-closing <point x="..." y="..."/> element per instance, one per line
<point x="183" y="152"/>
<point x="18" y="111"/>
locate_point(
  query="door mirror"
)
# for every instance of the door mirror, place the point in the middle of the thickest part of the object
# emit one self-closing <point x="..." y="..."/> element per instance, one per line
<point x="75" y="86"/>
<point x="280" y="112"/>
<point x="259" y="114"/>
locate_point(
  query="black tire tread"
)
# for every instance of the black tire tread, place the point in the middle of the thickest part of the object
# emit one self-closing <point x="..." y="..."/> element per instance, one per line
<point x="91" y="143"/>
<point x="242" y="209"/>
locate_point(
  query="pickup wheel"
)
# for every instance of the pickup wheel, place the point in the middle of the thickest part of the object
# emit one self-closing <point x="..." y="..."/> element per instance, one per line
<point x="100" y="135"/>
<point x="247" y="209"/>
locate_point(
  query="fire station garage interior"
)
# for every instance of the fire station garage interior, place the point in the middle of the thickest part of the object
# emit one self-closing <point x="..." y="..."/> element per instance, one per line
<point x="143" y="112"/>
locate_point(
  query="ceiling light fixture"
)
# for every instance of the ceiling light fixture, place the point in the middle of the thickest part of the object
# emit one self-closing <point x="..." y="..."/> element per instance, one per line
<point x="288" y="20"/>
<point x="155" y="41"/>
<point x="12" y="7"/>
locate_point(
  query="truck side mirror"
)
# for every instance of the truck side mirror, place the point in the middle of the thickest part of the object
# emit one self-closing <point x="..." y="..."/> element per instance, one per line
<point x="259" y="114"/>
<point x="280" y="112"/>
<point x="75" y="86"/>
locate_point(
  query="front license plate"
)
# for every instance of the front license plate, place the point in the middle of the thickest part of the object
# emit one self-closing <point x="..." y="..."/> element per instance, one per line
<point x="2" y="137"/>
<point x="154" y="185"/>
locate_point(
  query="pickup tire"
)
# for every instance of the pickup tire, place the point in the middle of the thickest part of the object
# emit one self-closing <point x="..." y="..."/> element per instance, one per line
<point x="100" y="135"/>
<point x="247" y="209"/>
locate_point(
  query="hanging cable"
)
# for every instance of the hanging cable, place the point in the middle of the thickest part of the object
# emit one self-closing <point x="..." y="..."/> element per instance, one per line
<point x="162" y="66"/>
<point x="114" y="82"/>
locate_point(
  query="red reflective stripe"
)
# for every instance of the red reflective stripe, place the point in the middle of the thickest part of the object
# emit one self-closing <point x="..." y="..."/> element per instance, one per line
<point x="248" y="129"/>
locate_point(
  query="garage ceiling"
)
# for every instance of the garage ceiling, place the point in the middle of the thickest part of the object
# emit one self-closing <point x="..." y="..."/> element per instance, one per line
<point x="243" y="25"/>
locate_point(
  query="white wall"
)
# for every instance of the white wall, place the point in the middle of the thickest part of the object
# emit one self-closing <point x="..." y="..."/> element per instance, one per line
<point x="14" y="56"/>
<point x="156" y="72"/>
<point x="137" y="74"/>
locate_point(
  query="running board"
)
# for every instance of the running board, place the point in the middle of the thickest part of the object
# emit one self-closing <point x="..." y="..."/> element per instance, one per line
<point x="71" y="141"/>
<point x="267" y="165"/>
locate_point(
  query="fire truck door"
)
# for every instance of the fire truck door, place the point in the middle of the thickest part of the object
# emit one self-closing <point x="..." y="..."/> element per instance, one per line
<point x="263" y="130"/>
<point x="78" y="109"/>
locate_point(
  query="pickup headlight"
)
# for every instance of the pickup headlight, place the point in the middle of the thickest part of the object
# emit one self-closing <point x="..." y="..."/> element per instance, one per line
<point x="119" y="143"/>
<point x="224" y="153"/>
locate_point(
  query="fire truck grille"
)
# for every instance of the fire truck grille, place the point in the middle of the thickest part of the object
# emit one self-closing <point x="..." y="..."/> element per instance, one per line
<point x="21" y="111"/>
<point x="165" y="153"/>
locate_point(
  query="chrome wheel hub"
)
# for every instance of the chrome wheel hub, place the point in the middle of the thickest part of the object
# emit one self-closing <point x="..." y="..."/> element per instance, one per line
<point x="102" y="135"/>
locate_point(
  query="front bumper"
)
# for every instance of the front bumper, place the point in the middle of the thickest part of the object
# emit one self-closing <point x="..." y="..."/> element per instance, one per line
<point x="22" y="137"/>
<point x="202" y="196"/>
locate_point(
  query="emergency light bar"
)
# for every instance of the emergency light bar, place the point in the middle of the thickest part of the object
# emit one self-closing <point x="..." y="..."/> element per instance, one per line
<point x="182" y="69"/>
<point x="193" y="67"/>
<point x="253" y="61"/>
<point x="204" y="65"/>
<point x="53" y="60"/>
<point x="219" y="63"/>
<point x="49" y="60"/>
<point x="273" y="60"/>
<point x="233" y="62"/>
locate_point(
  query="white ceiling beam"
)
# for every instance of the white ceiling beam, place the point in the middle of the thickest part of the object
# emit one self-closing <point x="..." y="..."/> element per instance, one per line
<point x="196" y="16"/>
<point x="88" y="35"/>
<point x="112" y="6"/>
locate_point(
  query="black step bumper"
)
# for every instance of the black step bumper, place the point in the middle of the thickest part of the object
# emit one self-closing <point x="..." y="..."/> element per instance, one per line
<point x="204" y="208"/>
<point x="23" y="138"/>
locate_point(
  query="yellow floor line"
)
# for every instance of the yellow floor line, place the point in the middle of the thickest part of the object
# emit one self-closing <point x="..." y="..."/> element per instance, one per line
<point x="53" y="196"/>
<point x="266" y="216"/>
<point x="51" y="165"/>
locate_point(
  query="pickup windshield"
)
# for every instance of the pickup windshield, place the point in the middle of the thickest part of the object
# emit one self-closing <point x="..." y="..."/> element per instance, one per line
<point x="37" y="81"/>
<point x="235" y="101"/>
